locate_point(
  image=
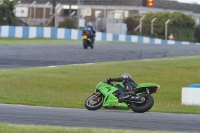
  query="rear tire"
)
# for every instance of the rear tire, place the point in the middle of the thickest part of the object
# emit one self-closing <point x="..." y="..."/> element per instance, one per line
<point x="94" y="103"/>
<point x="92" y="46"/>
<point x="145" y="106"/>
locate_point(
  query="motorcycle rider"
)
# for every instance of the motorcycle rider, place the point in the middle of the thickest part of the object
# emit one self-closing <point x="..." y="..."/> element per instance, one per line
<point x="129" y="84"/>
<point x="91" y="30"/>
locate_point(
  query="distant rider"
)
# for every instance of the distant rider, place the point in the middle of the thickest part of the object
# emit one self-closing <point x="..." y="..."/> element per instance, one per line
<point x="91" y="30"/>
<point x="125" y="82"/>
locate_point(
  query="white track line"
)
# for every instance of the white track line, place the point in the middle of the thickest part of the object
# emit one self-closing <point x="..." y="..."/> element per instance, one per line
<point x="72" y="65"/>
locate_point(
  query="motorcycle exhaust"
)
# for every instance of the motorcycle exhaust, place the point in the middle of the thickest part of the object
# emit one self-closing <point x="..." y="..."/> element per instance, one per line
<point x="136" y="99"/>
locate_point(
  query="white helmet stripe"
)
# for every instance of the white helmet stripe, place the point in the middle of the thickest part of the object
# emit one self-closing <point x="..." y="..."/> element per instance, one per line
<point x="126" y="76"/>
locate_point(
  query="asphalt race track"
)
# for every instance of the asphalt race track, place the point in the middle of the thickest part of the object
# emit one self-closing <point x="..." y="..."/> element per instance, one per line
<point x="51" y="55"/>
<point x="100" y="118"/>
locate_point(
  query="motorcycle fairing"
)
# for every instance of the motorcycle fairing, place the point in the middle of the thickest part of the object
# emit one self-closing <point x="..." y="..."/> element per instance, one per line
<point x="148" y="88"/>
<point x="110" y="100"/>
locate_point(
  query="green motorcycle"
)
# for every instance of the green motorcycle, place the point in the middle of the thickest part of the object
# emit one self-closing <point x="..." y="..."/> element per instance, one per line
<point x="107" y="96"/>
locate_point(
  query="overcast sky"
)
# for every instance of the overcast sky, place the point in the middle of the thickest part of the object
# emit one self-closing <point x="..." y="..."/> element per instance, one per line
<point x="189" y="1"/>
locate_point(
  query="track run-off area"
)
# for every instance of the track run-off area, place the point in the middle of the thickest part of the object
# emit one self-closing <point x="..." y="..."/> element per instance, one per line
<point x="12" y="57"/>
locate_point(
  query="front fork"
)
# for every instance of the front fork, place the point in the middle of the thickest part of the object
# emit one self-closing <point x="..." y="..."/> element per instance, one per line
<point x="96" y="95"/>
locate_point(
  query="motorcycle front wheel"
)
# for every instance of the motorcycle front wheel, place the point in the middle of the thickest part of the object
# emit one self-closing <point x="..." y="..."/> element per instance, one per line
<point x="85" y="45"/>
<point x="146" y="104"/>
<point x="94" y="101"/>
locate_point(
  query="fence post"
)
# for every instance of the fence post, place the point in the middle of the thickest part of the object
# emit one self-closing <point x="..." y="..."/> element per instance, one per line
<point x="78" y="13"/>
<point x="152" y="28"/>
<point x="44" y="13"/>
<point x="56" y="15"/>
<point x="166" y="28"/>
<point x="30" y="6"/>
<point x="141" y="23"/>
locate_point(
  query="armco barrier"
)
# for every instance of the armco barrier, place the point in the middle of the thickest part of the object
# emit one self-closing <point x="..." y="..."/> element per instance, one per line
<point x="68" y="34"/>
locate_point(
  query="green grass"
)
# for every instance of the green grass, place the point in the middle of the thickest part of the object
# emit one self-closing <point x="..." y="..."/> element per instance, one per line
<point x="69" y="86"/>
<point x="45" y="41"/>
<point x="9" y="128"/>
<point x="35" y="41"/>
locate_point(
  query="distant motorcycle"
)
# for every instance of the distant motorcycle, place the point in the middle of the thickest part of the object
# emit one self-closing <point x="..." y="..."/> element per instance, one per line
<point x="107" y="96"/>
<point x="87" y="40"/>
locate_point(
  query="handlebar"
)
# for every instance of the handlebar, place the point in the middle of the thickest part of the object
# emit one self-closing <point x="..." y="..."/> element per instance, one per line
<point x="109" y="83"/>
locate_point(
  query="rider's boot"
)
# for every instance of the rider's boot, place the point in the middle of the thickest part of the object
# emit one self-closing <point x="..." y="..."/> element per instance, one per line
<point x="126" y="96"/>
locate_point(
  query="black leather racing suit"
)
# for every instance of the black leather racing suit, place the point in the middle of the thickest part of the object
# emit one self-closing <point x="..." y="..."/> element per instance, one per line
<point x="129" y="84"/>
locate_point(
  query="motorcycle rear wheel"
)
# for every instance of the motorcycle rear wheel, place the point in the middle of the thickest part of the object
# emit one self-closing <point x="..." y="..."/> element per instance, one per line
<point x="145" y="106"/>
<point x="94" y="103"/>
<point x="92" y="46"/>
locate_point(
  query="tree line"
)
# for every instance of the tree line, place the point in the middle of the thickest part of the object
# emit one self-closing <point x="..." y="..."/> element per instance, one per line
<point x="181" y="26"/>
<point x="7" y="16"/>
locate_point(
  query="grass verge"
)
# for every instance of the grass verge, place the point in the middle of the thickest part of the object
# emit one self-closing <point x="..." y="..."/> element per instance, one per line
<point x="69" y="86"/>
<point x="45" y="41"/>
<point x="9" y="128"/>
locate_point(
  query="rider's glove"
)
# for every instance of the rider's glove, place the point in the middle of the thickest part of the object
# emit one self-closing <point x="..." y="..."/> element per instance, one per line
<point x="109" y="80"/>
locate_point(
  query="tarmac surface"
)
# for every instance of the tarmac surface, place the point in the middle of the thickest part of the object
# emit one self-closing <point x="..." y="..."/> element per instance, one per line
<point x="52" y="55"/>
<point x="100" y="119"/>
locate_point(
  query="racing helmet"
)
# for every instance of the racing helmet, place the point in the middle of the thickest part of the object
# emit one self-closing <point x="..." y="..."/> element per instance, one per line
<point x="126" y="75"/>
<point x="89" y="23"/>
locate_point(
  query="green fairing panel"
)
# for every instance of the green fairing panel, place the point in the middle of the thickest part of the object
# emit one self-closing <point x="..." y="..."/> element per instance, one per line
<point x="110" y="100"/>
<point x="146" y="85"/>
<point x="101" y="84"/>
<point x="108" y="91"/>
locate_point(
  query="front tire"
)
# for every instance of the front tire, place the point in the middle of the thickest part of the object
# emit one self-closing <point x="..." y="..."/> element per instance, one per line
<point x="146" y="105"/>
<point x="85" y="45"/>
<point x="94" y="103"/>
